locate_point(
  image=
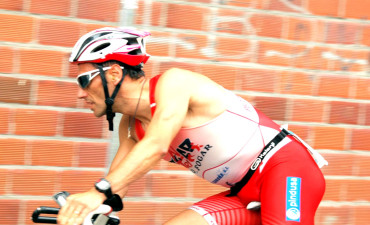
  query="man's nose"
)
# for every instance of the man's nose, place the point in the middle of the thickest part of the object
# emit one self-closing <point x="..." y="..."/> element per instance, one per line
<point x="81" y="93"/>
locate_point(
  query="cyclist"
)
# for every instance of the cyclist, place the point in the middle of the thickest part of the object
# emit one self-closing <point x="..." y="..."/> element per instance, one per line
<point x="186" y="118"/>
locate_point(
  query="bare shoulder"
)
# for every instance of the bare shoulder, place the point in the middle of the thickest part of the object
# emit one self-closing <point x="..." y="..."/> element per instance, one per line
<point x="205" y="98"/>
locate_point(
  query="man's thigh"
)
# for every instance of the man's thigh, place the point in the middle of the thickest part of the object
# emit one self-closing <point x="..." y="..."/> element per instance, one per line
<point x="218" y="210"/>
<point x="291" y="192"/>
<point x="187" y="217"/>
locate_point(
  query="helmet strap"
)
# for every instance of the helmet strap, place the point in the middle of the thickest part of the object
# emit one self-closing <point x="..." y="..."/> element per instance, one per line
<point x="109" y="101"/>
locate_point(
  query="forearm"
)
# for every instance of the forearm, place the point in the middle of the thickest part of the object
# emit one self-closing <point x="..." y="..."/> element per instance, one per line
<point x="143" y="157"/>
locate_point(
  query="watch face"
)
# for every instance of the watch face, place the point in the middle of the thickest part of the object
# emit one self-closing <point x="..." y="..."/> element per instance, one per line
<point x="103" y="184"/>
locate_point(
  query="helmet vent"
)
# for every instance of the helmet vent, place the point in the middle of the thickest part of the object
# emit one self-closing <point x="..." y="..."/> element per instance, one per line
<point x="100" y="47"/>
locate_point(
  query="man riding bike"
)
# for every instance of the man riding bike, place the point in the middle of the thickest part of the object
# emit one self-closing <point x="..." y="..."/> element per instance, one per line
<point x="186" y="118"/>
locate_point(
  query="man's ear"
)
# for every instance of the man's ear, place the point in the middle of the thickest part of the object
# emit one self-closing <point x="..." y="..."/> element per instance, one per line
<point x="115" y="73"/>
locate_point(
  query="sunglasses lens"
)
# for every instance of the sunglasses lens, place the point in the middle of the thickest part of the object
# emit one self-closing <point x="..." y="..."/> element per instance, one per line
<point x="83" y="81"/>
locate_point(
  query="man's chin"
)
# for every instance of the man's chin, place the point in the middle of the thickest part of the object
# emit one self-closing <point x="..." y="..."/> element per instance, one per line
<point x="99" y="114"/>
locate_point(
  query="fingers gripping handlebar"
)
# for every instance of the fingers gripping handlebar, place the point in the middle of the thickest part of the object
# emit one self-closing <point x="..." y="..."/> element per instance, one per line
<point x="100" y="216"/>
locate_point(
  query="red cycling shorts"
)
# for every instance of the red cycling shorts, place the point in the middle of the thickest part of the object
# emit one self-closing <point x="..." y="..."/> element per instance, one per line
<point x="290" y="188"/>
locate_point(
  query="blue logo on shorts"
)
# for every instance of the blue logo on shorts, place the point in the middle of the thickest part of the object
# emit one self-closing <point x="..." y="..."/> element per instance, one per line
<point x="293" y="199"/>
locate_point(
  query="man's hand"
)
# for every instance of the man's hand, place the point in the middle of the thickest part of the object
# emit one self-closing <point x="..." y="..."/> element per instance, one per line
<point x="78" y="206"/>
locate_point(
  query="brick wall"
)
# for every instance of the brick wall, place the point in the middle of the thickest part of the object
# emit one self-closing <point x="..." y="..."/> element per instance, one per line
<point x="302" y="62"/>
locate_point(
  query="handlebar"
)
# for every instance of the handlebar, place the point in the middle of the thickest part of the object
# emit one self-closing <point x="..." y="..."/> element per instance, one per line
<point x="36" y="218"/>
<point x="100" y="216"/>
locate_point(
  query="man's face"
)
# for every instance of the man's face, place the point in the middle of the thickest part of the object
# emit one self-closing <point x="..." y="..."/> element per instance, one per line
<point x="93" y="94"/>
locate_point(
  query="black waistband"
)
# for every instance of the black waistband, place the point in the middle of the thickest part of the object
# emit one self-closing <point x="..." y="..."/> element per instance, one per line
<point x="238" y="186"/>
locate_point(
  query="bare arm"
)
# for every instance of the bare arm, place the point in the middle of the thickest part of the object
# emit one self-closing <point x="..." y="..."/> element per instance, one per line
<point x="172" y="97"/>
<point x="126" y="144"/>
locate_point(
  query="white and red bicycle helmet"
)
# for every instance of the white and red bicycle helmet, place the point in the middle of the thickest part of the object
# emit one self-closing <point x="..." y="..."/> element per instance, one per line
<point x="126" y="45"/>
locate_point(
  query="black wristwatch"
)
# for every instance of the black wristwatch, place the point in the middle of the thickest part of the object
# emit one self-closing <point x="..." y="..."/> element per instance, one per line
<point x="103" y="186"/>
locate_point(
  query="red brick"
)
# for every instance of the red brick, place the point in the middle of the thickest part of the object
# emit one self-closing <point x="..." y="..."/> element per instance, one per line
<point x="16" y="28"/>
<point x="52" y="153"/>
<point x="335" y="214"/>
<point x="360" y="139"/>
<point x="361" y="215"/>
<point x="350" y="60"/>
<point x="311" y="57"/>
<point x="274" y="53"/>
<point x="362" y="88"/>
<point x="171" y="209"/>
<point x="303" y="131"/>
<point x="323" y="8"/>
<point x="358" y="9"/>
<point x="301" y="29"/>
<point x="170" y="185"/>
<point x="58" y="32"/>
<point x="139" y="187"/>
<point x="165" y="65"/>
<point x="342" y="32"/>
<point x="140" y="213"/>
<point x="9" y="211"/>
<point x="365" y="40"/>
<point x="41" y="62"/>
<point x="14" y="90"/>
<point x="329" y="138"/>
<point x="297" y="83"/>
<point x="191" y="45"/>
<point x="34" y="182"/>
<point x="367" y="114"/>
<point x="236" y="26"/>
<point x="151" y="213"/>
<point x="159" y="44"/>
<point x="334" y="85"/>
<point x="339" y="164"/>
<point x="79" y="181"/>
<point x="92" y="154"/>
<point x="281" y="6"/>
<point x="255" y="80"/>
<point x="6" y="59"/>
<point x="205" y="1"/>
<point x="32" y="204"/>
<point x="57" y="93"/>
<point x="78" y="124"/>
<point x="307" y="110"/>
<point x="72" y="70"/>
<point x="4" y="120"/>
<point x="344" y="112"/>
<point x="187" y="17"/>
<point x="348" y="164"/>
<point x="35" y="122"/>
<point x="92" y="9"/>
<point x="15" y="5"/>
<point x="139" y="14"/>
<point x="240" y="3"/>
<point x="224" y="52"/>
<point x="12" y="151"/>
<point x="150" y="68"/>
<point x="347" y="190"/>
<point x="87" y="27"/>
<point x="4" y="174"/>
<point x="203" y="189"/>
<point x="267" y="25"/>
<point x="273" y="107"/>
<point x="158" y="10"/>
<point x="51" y="7"/>
<point x="217" y="74"/>
<point x="361" y="166"/>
